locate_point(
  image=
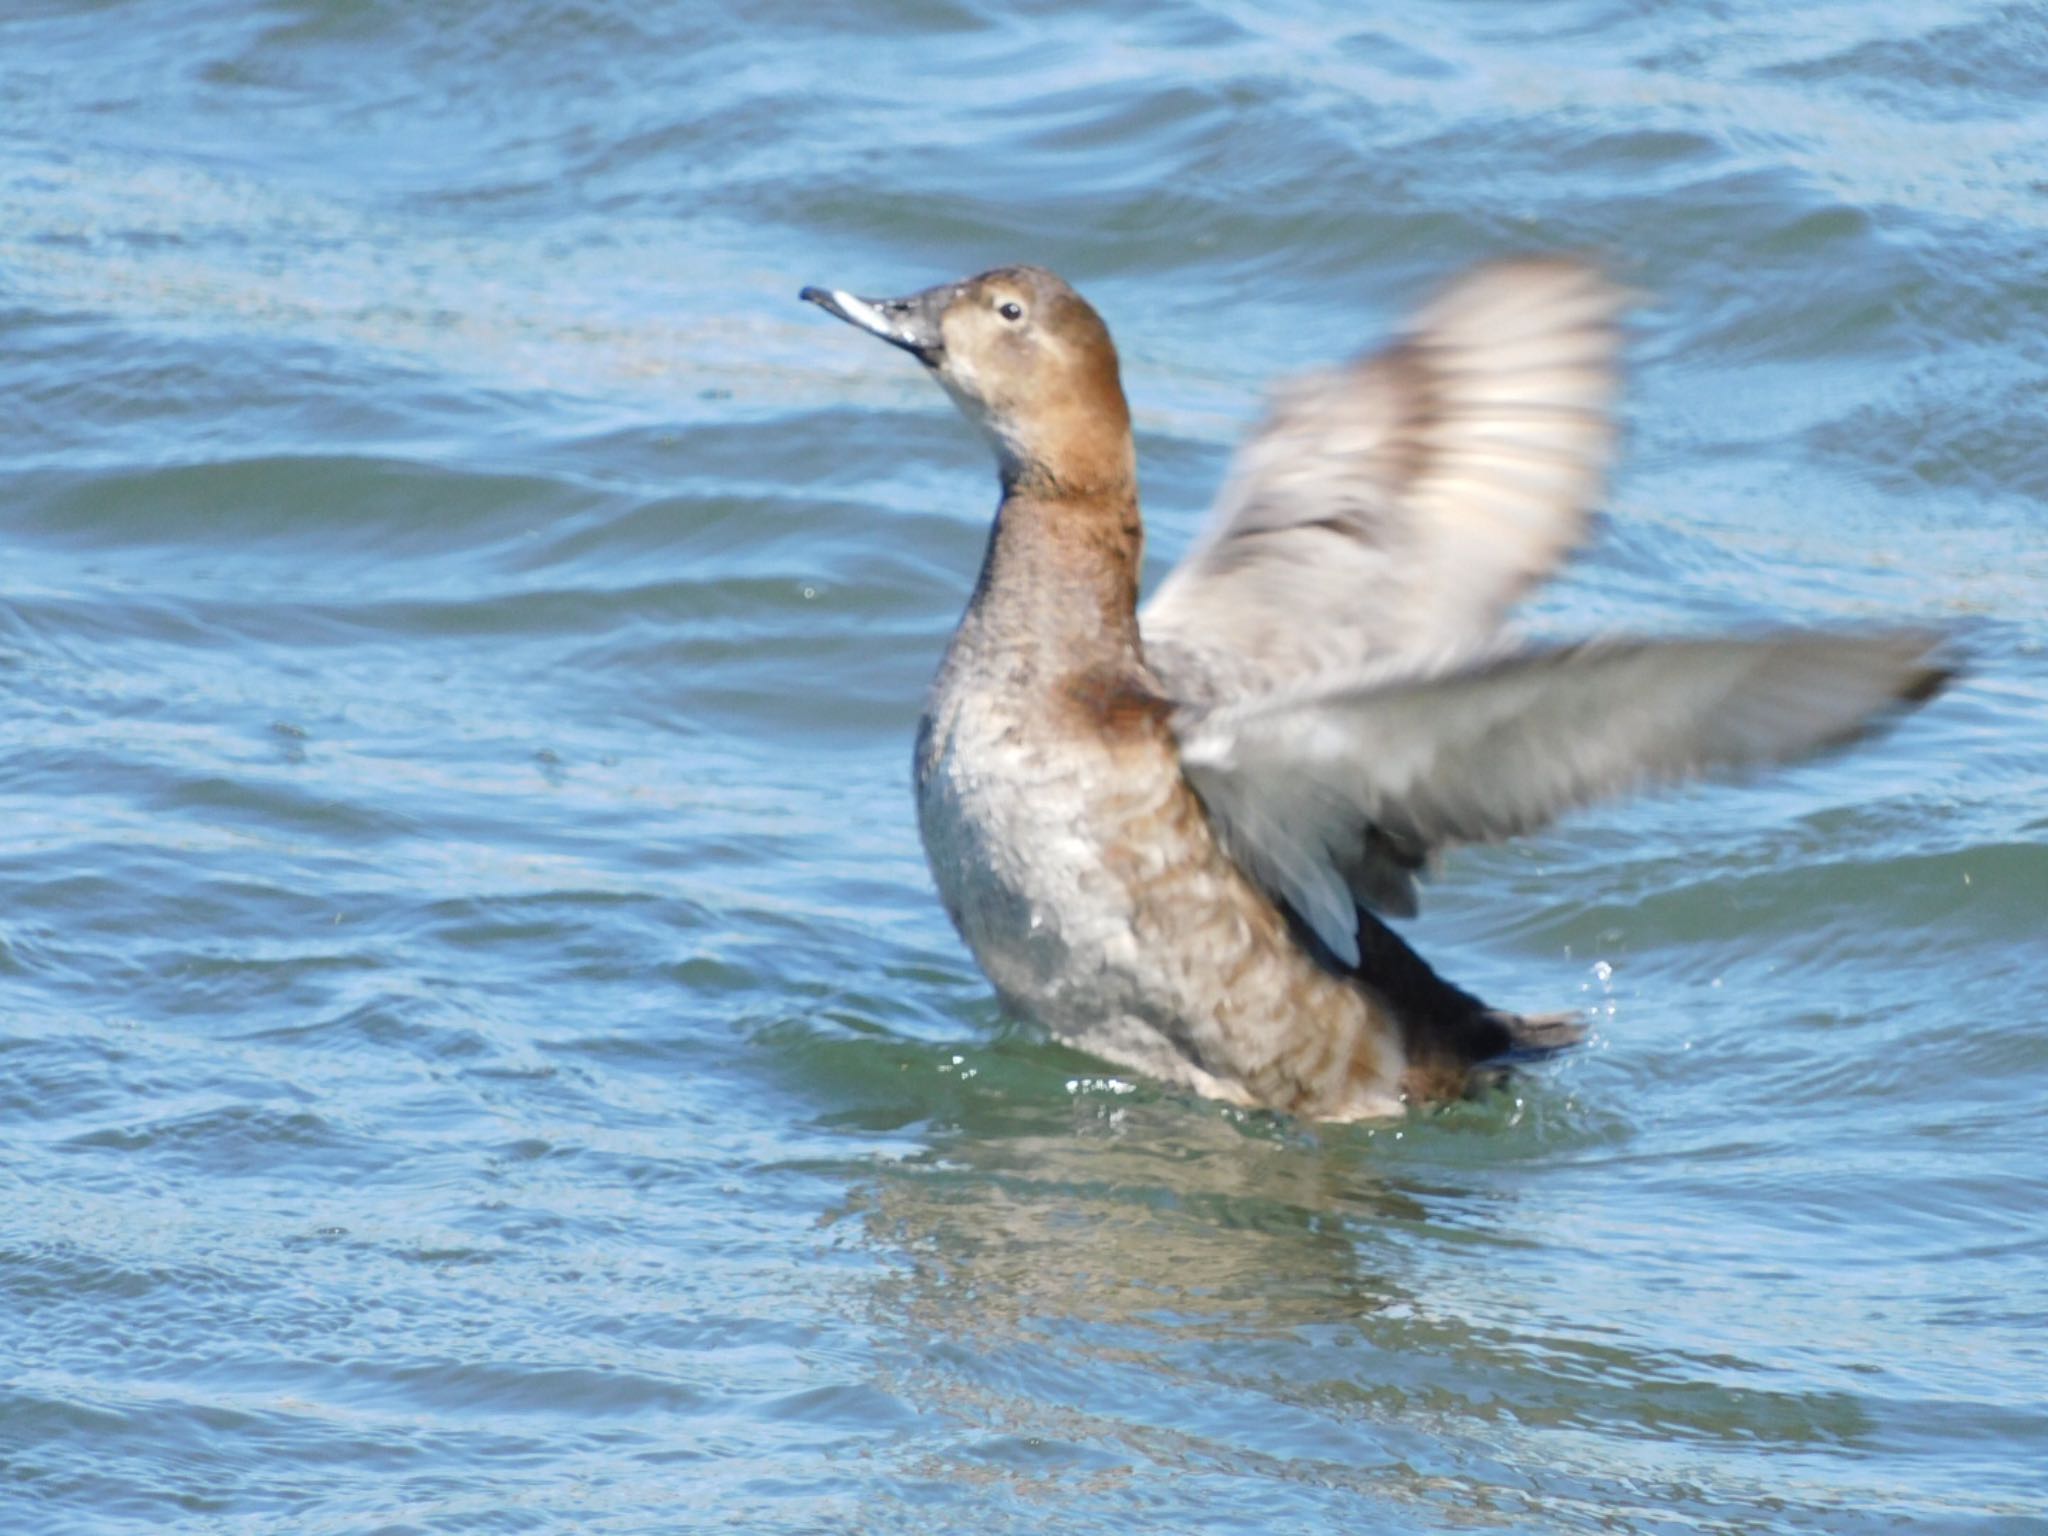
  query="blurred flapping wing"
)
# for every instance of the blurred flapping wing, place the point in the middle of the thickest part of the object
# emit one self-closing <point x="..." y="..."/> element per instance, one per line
<point x="1328" y="796"/>
<point x="1398" y="506"/>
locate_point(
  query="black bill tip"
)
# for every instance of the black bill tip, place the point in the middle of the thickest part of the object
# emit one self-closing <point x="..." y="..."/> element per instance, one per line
<point x="910" y="323"/>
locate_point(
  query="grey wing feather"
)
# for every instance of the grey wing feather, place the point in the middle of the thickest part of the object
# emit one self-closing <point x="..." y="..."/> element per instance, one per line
<point x="1397" y="507"/>
<point x="1299" y="786"/>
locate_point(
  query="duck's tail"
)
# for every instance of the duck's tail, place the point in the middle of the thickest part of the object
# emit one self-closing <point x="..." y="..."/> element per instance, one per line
<point x="1455" y="1044"/>
<point x="1531" y="1037"/>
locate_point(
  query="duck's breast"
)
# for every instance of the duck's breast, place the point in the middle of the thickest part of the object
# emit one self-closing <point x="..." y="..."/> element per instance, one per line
<point x="1029" y="828"/>
<point x="1082" y="871"/>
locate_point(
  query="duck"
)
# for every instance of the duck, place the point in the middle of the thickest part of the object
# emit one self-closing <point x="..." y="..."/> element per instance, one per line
<point x="1175" y="834"/>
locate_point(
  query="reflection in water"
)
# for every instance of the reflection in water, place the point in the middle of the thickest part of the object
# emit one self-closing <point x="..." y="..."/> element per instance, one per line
<point x="1150" y="1287"/>
<point x="1151" y="1213"/>
<point x="1143" y="1288"/>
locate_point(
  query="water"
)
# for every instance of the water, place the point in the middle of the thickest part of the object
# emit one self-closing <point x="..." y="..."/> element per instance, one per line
<point x="481" y="1052"/>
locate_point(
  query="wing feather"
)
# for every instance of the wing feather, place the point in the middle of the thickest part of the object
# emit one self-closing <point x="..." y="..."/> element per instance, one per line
<point x="1397" y="507"/>
<point x="1301" y="786"/>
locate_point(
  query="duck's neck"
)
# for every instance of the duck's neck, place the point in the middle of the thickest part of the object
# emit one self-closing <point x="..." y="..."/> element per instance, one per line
<point x="1058" y="591"/>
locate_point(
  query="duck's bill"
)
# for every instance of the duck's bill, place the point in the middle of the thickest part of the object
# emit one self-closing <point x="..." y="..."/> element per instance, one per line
<point x="910" y="323"/>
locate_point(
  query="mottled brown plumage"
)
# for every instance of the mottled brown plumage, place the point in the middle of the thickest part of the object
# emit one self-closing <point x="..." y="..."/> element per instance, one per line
<point x="1166" y="839"/>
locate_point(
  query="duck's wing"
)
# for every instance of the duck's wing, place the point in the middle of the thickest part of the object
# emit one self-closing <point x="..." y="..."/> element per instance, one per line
<point x="1314" y="793"/>
<point x="1397" y="506"/>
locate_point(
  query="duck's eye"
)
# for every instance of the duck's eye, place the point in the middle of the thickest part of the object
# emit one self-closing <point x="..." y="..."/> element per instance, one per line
<point x="1010" y="309"/>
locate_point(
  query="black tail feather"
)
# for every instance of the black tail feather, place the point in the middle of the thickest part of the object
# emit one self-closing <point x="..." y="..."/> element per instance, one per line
<point x="1440" y="1022"/>
<point x="1535" y="1036"/>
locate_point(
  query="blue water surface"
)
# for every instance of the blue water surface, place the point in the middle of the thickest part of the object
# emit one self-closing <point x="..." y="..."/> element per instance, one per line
<point x="478" y="1048"/>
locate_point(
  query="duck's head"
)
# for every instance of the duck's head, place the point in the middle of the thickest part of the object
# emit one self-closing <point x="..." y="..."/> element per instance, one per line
<point x="1027" y="360"/>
